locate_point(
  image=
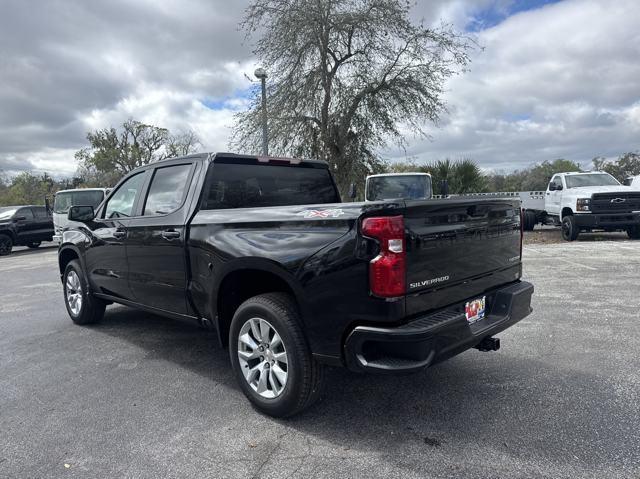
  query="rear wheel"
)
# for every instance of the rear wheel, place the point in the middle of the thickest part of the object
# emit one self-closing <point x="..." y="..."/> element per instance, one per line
<point x="634" y="232"/>
<point x="270" y="357"/>
<point x="82" y="307"/>
<point x="34" y="244"/>
<point x="6" y="244"/>
<point x="570" y="230"/>
<point x="529" y="220"/>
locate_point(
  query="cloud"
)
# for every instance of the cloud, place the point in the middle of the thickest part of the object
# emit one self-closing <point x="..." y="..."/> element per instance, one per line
<point x="68" y="65"/>
<point x="556" y="80"/>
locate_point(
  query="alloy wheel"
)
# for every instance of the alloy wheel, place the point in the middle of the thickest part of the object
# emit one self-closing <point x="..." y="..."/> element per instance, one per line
<point x="263" y="358"/>
<point x="74" y="292"/>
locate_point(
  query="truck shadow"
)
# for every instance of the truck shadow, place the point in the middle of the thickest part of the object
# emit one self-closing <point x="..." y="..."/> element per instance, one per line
<point x="478" y="405"/>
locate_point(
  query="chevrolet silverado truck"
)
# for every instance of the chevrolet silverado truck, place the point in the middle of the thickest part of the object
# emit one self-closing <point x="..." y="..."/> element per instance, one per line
<point x="263" y="251"/>
<point x="584" y="202"/>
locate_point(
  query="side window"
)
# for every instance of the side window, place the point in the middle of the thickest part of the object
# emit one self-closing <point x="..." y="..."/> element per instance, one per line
<point x="121" y="203"/>
<point x="556" y="181"/>
<point x="26" y="212"/>
<point x="40" y="212"/>
<point x="167" y="190"/>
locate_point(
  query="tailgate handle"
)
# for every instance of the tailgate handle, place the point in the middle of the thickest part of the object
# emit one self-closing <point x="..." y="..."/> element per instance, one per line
<point x="170" y="234"/>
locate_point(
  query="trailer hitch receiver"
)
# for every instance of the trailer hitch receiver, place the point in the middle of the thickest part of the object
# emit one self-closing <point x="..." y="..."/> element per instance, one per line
<point x="488" y="344"/>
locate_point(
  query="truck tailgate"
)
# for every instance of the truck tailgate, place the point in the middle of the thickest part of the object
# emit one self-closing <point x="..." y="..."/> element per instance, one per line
<point x="458" y="248"/>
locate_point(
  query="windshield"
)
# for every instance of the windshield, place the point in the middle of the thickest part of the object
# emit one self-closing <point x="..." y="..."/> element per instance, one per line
<point x="64" y="201"/>
<point x="410" y="187"/>
<point x="7" y="212"/>
<point x="597" y="179"/>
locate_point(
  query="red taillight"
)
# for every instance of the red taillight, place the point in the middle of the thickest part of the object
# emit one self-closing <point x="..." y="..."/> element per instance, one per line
<point x="387" y="270"/>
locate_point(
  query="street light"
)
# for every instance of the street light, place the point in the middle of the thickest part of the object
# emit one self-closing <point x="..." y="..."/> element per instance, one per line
<point x="261" y="74"/>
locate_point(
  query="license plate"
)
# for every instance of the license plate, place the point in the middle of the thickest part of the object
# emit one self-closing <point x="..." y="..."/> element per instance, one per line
<point x="474" y="310"/>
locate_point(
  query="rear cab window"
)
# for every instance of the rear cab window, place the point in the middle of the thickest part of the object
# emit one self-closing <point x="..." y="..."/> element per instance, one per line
<point x="246" y="184"/>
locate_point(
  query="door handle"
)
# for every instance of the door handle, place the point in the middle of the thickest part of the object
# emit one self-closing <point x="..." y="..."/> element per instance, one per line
<point x="119" y="234"/>
<point x="170" y="234"/>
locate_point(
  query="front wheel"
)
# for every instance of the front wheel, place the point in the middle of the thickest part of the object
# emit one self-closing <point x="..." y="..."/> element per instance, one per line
<point x="570" y="230"/>
<point x="270" y="357"/>
<point x="6" y="245"/>
<point x="634" y="232"/>
<point x="82" y="307"/>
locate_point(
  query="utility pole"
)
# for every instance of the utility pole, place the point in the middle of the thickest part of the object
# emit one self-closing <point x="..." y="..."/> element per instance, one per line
<point x="261" y="74"/>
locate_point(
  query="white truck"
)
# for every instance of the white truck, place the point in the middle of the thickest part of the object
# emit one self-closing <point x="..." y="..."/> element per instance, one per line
<point x="633" y="182"/>
<point x="584" y="202"/>
<point x="64" y="199"/>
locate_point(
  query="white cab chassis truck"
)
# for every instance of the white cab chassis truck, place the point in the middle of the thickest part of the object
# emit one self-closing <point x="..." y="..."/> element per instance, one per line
<point x="584" y="202"/>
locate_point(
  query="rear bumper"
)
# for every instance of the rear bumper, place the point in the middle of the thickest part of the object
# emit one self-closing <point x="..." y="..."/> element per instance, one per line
<point x="607" y="220"/>
<point x="435" y="337"/>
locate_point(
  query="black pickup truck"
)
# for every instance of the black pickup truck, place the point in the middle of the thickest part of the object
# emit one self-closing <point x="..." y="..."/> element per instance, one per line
<point x="263" y="251"/>
<point x="24" y="226"/>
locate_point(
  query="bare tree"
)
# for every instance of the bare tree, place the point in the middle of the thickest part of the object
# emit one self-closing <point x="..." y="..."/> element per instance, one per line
<point x="114" y="153"/>
<point x="182" y="144"/>
<point x="344" y="77"/>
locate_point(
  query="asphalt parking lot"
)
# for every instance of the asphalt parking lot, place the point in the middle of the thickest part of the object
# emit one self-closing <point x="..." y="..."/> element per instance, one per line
<point x="143" y="396"/>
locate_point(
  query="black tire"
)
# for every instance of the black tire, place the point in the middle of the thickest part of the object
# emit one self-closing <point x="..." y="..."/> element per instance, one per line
<point x="304" y="375"/>
<point x="6" y="245"/>
<point x="570" y="230"/>
<point x="91" y="309"/>
<point x="634" y="232"/>
<point x="529" y="220"/>
<point x="34" y="244"/>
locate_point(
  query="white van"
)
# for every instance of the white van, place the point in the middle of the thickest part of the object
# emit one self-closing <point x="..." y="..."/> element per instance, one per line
<point x="64" y="199"/>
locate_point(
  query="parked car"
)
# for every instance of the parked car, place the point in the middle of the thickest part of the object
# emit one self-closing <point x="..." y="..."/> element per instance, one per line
<point x="585" y="202"/>
<point x="24" y="226"/>
<point x="263" y="251"/>
<point x="64" y="199"/>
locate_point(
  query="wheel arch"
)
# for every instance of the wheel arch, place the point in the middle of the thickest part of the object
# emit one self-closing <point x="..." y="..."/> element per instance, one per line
<point x="566" y="211"/>
<point x="66" y="255"/>
<point x="245" y="279"/>
<point x="10" y="233"/>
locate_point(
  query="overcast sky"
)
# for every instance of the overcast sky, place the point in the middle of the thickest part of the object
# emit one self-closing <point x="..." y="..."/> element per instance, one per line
<point x="555" y="79"/>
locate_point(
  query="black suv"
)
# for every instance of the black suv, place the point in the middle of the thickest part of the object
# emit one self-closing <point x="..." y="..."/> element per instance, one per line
<point x="24" y="226"/>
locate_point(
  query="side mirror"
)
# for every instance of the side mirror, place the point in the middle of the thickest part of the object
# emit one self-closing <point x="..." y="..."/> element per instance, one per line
<point x="353" y="191"/>
<point x="552" y="187"/>
<point x="82" y="214"/>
